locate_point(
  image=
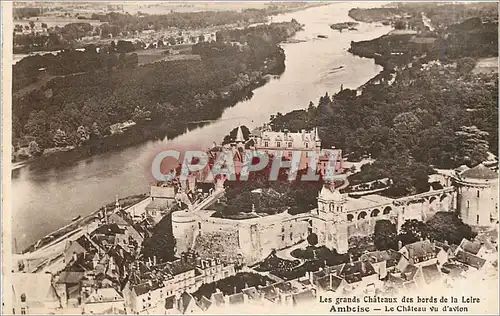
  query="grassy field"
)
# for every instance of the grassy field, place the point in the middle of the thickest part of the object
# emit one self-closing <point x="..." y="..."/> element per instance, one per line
<point x="486" y="65"/>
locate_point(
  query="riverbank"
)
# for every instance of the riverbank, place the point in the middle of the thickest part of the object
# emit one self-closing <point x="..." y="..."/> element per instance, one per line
<point x="151" y="130"/>
<point x="127" y="171"/>
<point x="73" y="226"/>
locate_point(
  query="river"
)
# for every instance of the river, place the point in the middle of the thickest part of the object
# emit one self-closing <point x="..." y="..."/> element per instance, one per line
<point x="44" y="200"/>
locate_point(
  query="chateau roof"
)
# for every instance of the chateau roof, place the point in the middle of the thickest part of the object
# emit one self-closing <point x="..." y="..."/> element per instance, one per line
<point x="479" y="172"/>
<point x="328" y="194"/>
<point x="239" y="136"/>
<point x="298" y="139"/>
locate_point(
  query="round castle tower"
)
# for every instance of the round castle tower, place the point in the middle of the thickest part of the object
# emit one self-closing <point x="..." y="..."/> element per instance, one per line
<point x="478" y="196"/>
<point x="184" y="229"/>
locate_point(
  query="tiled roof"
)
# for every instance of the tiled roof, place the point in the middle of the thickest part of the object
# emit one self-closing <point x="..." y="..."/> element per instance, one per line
<point x="409" y="272"/>
<point x="184" y="301"/>
<point x="284" y="287"/>
<point x="204" y="303"/>
<point x="218" y="298"/>
<point x="329" y="283"/>
<point x="170" y="302"/>
<point x="251" y="292"/>
<point x="390" y="256"/>
<point x="431" y="273"/>
<point x="470" y="259"/>
<point x="356" y="271"/>
<point x="420" y="249"/>
<point x="70" y="277"/>
<point x="472" y="247"/>
<point x="305" y="296"/>
<point x="237" y="298"/>
<point x="480" y="172"/>
<point x="270" y="292"/>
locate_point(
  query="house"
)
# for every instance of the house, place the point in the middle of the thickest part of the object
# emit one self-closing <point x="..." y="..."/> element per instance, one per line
<point x="304" y="297"/>
<point x="330" y="283"/>
<point x="236" y="299"/>
<point x="472" y="247"/>
<point x="204" y="303"/>
<point x="469" y="259"/>
<point x="444" y="251"/>
<point x="251" y="294"/>
<point x="431" y="273"/>
<point x="103" y="299"/>
<point x="416" y="253"/>
<point x="68" y="287"/>
<point x="187" y="304"/>
<point x="382" y="261"/>
<point x="354" y="272"/>
<point x="171" y="307"/>
<point x="33" y="293"/>
<point x="81" y="246"/>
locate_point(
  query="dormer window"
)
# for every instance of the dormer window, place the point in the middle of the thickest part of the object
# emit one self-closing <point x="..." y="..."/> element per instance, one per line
<point x="23" y="298"/>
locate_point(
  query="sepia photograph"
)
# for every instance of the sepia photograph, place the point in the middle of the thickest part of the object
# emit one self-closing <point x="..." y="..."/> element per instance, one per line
<point x="250" y="157"/>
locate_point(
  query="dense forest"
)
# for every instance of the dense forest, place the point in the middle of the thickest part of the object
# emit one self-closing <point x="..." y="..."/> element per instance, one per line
<point x="422" y="113"/>
<point x="74" y="109"/>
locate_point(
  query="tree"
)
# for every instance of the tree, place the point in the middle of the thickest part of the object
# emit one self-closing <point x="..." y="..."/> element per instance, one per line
<point x="385" y="235"/>
<point x="446" y="226"/>
<point x="400" y="25"/>
<point x="407" y="123"/>
<point x="412" y="231"/>
<point x="465" y="65"/>
<point x="44" y="25"/>
<point x="312" y="239"/>
<point x="96" y="131"/>
<point x="32" y="25"/>
<point x="60" y="139"/>
<point x="81" y="135"/>
<point x="472" y="145"/>
<point x="162" y="242"/>
<point x="141" y="115"/>
<point x="34" y="149"/>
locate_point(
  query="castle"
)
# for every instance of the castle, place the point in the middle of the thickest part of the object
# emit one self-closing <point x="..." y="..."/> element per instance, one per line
<point x="470" y="192"/>
<point x="336" y="218"/>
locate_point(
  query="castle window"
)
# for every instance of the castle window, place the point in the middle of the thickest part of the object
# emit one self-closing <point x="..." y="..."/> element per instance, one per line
<point x="468" y="204"/>
<point x="278" y="144"/>
<point x="283" y="238"/>
<point x="23" y="298"/>
<point x="477" y="193"/>
<point x="289" y="144"/>
<point x="477" y="219"/>
<point x="23" y="311"/>
<point x="307" y="145"/>
<point x="291" y="236"/>
<point x="266" y="144"/>
<point x="199" y="225"/>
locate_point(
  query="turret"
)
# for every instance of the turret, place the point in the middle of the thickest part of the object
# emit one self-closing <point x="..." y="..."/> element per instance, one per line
<point x="317" y="140"/>
<point x="240" y="140"/>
